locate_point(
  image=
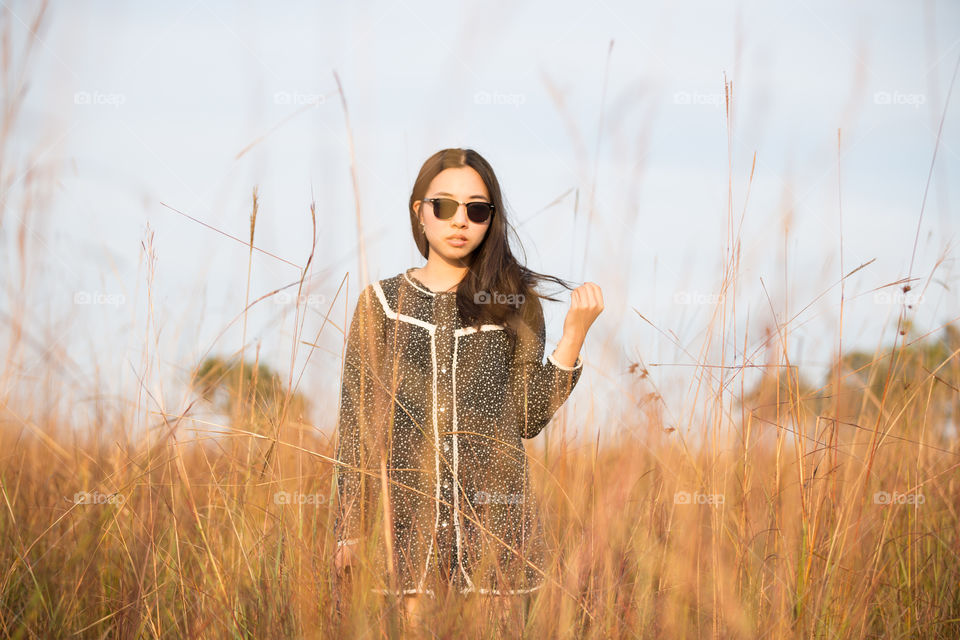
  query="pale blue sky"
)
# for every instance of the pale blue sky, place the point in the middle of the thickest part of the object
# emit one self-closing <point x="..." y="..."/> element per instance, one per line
<point x="137" y="104"/>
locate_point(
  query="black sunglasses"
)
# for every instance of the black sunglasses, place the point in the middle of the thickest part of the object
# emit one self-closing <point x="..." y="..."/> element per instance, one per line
<point x="446" y="208"/>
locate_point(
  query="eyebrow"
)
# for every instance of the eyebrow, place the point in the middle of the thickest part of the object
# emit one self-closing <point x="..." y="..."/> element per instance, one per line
<point x="444" y="193"/>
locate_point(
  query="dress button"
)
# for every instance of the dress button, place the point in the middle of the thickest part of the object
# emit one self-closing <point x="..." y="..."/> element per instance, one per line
<point x="444" y="523"/>
<point x="444" y="370"/>
<point x="446" y="446"/>
<point x="442" y="409"/>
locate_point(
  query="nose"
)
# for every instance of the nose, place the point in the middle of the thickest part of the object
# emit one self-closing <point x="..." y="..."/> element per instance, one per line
<point x="459" y="220"/>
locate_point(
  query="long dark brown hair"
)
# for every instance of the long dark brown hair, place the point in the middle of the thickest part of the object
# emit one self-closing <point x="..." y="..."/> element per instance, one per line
<point x="493" y="269"/>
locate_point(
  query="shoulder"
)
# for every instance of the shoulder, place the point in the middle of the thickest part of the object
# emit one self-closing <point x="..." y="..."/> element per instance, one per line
<point x="531" y="311"/>
<point x="392" y="284"/>
<point x="528" y="321"/>
<point x="387" y="291"/>
<point x="380" y="296"/>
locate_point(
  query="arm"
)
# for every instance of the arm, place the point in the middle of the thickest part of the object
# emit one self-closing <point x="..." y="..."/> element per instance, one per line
<point x="567" y="353"/>
<point x="537" y="389"/>
<point x="356" y="425"/>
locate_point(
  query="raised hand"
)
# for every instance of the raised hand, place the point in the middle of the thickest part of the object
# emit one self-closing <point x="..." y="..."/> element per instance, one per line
<point x="586" y="303"/>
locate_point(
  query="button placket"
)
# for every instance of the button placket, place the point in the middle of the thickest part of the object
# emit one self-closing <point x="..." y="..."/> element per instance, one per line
<point x="445" y="307"/>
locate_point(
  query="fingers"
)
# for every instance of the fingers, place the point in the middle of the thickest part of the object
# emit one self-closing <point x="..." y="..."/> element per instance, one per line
<point x="587" y="296"/>
<point x="343" y="558"/>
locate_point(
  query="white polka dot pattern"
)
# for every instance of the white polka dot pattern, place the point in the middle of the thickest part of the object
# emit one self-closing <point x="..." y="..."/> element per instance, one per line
<point x="440" y="410"/>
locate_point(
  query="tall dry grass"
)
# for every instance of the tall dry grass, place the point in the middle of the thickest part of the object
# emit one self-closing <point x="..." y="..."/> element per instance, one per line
<point x="184" y="536"/>
<point x="808" y="509"/>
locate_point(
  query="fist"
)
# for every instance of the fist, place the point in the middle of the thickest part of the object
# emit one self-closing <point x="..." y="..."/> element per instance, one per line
<point x="344" y="558"/>
<point x="586" y="303"/>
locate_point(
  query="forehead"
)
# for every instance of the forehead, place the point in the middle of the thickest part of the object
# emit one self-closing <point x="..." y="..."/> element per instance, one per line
<point x="463" y="183"/>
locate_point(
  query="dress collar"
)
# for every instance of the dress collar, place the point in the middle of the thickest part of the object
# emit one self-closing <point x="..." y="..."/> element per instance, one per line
<point x="419" y="286"/>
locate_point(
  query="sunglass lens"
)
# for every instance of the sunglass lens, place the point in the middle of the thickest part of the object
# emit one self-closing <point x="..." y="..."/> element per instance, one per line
<point x="445" y="208"/>
<point x="478" y="212"/>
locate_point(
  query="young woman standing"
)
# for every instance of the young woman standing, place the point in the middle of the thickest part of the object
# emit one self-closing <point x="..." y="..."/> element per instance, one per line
<point x="443" y="376"/>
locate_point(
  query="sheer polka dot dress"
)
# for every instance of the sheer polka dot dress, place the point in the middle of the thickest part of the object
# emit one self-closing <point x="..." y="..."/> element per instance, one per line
<point x="434" y="414"/>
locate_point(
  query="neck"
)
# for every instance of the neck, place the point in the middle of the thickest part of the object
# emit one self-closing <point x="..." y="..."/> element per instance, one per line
<point x="443" y="273"/>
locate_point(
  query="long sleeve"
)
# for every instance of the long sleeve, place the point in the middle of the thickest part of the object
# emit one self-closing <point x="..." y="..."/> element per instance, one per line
<point x="536" y="388"/>
<point x="358" y="416"/>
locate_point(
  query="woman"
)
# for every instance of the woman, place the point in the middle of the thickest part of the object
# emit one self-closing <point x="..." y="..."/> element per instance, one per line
<point x="443" y="377"/>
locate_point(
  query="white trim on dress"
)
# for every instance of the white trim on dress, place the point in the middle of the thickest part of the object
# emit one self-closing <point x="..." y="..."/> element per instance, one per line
<point x="430" y="592"/>
<point x="576" y="365"/>
<point x="484" y="327"/>
<point x="427" y="291"/>
<point x="393" y="315"/>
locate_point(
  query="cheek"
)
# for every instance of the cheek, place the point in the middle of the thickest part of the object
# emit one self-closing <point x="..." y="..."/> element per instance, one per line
<point x="433" y="229"/>
<point x="481" y="234"/>
<point x="436" y="232"/>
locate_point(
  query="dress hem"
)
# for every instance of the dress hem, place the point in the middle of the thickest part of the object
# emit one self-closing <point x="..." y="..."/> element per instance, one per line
<point x="482" y="591"/>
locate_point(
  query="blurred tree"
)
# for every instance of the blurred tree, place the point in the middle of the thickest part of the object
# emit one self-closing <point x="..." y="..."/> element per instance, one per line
<point x="260" y="403"/>
<point x="864" y="376"/>
<point x="781" y="391"/>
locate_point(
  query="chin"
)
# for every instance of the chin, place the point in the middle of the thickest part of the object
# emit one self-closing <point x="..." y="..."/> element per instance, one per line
<point x="450" y="252"/>
<point x="457" y="255"/>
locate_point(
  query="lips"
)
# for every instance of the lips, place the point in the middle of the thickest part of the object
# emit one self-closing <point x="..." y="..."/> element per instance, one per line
<point x="457" y="237"/>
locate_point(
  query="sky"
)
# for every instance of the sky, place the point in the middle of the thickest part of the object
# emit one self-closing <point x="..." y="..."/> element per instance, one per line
<point x="607" y="126"/>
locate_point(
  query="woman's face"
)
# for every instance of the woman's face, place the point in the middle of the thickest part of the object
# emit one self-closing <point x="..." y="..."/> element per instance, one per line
<point x="463" y="184"/>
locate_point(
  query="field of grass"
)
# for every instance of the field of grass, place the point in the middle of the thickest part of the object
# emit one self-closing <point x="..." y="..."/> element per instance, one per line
<point x="790" y="524"/>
